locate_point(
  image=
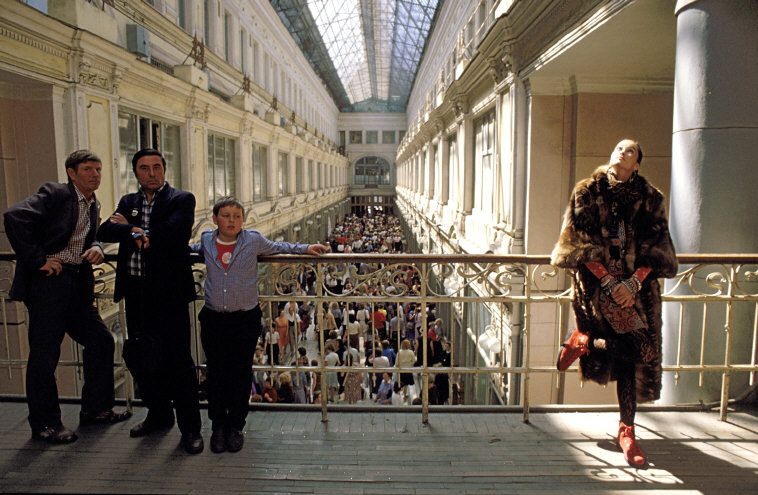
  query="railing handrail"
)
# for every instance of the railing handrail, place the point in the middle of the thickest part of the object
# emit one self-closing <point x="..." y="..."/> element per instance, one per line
<point x="531" y="259"/>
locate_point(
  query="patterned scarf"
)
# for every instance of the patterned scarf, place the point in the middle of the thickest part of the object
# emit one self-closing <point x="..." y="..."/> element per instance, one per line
<point x="620" y="197"/>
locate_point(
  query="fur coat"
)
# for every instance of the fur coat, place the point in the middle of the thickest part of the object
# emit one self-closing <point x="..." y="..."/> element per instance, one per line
<point x="585" y="237"/>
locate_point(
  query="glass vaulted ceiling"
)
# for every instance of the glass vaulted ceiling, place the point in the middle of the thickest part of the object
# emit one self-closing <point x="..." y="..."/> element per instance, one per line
<point x="366" y="51"/>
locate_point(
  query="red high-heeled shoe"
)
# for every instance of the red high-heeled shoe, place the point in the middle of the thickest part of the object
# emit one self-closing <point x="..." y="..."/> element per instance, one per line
<point x="633" y="454"/>
<point x="572" y="349"/>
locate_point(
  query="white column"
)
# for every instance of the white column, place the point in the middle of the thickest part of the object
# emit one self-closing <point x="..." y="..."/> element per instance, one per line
<point x="713" y="172"/>
<point x="466" y="164"/>
<point x="444" y="161"/>
<point x="520" y="126"/>
<point x="272" y="172"/>
<point x="291" y="172"/>
<point x="427" y="165"/>
<point x="244" y="171"/>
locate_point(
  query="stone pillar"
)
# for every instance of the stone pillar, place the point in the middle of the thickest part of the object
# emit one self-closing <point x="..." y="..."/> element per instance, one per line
<point x="291" y="174"/>
<point x="428" y="171"/>
<point x="466" y="164"/>
<point x="244" y="166"/>
<point x="444" y="181"/>
<point x="272" y="172"/>
<point x="521" y="108"/>
<point x="713" y="176"/>
<point x="417" y="172"/>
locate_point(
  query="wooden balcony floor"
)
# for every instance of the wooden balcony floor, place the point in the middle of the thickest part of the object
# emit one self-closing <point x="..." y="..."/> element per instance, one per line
<point x="387" y="452"/>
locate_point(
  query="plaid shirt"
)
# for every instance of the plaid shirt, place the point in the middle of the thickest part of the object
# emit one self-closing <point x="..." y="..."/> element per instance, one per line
<point x="72" y="253"/>
<point x="137" y="263"/>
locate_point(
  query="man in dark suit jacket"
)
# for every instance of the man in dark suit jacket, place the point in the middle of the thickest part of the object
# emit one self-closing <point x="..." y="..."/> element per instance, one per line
<point x="53" y="234"/>
<point x="154" y="277"/>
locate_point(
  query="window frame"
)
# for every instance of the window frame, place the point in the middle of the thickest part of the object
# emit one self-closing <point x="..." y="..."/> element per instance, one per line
<point x="260" y="170"/>
<point x="144" y="132"/>
<point x="229" y="169"/>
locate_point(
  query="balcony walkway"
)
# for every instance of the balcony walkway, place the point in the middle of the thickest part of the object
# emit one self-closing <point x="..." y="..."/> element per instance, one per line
<point x="387" y="452"/>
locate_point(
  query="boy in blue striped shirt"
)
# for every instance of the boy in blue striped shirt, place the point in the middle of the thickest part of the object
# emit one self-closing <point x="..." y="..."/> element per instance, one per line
<point x="230" y="321"/>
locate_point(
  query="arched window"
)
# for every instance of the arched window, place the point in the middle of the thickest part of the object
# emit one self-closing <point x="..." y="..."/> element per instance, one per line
<point x="372" y="171"/>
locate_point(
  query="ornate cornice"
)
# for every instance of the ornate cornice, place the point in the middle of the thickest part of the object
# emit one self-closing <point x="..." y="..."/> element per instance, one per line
<point x="32" y="53"/>
<point x="33" y="41"/>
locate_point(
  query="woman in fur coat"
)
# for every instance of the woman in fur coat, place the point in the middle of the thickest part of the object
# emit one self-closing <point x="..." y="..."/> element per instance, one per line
<point x="615" y="241"/>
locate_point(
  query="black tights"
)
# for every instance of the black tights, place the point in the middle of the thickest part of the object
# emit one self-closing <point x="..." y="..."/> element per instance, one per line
<point x="624" y="350"/>
<point x="626" y="391"/>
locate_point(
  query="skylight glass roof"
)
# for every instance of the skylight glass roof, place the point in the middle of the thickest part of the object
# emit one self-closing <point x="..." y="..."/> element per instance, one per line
<point x="366" y="51"/>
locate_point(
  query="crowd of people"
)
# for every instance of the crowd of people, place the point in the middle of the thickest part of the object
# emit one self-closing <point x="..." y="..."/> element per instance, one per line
<point x="366" y="335"/>
<point x="378" y="233"/>
<point x="353" y="343"/>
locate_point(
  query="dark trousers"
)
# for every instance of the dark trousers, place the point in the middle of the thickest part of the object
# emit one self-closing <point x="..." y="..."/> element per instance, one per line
<point x="229" y="341"/>
<point x="57" y="305"/>
<point x="172" y="384"/>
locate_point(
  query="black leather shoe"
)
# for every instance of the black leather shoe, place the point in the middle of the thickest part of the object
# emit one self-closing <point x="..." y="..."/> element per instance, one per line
<point x="109" y="417"/>
<point x="147" y="427"/>
<point x="192" y="443"/>
<point x="55" y="434"/>
<point x="235" y="439"/>
<point x="218" y="441"/>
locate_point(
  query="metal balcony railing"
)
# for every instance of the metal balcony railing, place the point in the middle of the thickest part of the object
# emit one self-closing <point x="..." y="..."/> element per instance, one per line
<point x="493" y="308"/>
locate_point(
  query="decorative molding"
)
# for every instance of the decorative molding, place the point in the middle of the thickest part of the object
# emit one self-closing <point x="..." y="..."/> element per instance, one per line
<point x="507" y="56"/>
<point x="460" y="104"/>
<point x="496" y="68"/>
<point x="95" y="80"/>
<point x="439" y="126"/>
<point x="116" y="77"/>
<point x="92" y="76"/>
<point x="246" y="126"/>
<point x="197" y="110"/>
<point x="34" y="42"/>
<point x="598" y="84"/>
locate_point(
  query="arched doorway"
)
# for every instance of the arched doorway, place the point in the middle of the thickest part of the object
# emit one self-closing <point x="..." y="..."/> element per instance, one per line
<point x="372" y="171"/>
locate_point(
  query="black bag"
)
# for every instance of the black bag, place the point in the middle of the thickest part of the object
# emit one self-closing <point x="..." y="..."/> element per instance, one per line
<point x="142" y="357"/>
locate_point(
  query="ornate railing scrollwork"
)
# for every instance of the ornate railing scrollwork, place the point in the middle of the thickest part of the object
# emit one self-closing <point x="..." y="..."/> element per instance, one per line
<point x="510" y="290"/>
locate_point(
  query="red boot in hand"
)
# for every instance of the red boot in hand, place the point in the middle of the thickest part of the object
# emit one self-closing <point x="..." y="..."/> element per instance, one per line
<point x="572" y="349"/>
<point x="633" y="454"/>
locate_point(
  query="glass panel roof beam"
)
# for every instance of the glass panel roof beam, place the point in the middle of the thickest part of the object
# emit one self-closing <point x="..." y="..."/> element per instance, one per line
<point x="367" y="52"/>
<point x="339" y="24"/>
<point x="298" y="20"/>
<point x="367" y="22"/>
<point x="414" y="22"/>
